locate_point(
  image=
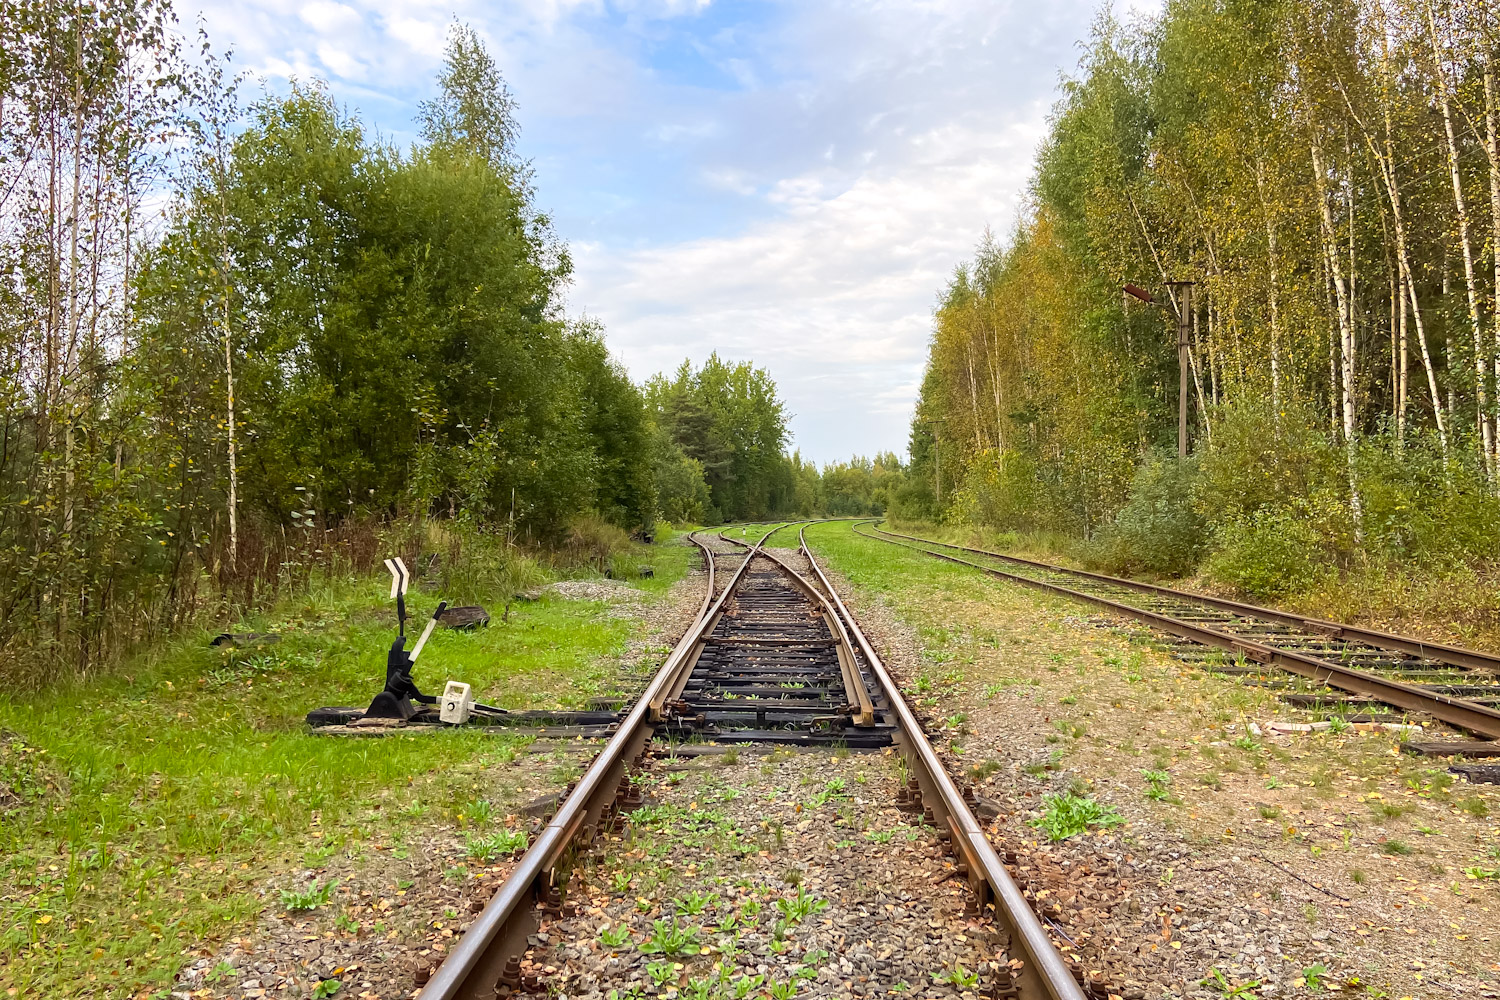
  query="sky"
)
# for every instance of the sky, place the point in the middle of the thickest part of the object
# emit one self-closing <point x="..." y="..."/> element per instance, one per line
<point x="791" y="182"/>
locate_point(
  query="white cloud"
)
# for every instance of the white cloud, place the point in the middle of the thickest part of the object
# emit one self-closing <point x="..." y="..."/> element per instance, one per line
<point x="330" y="18"/>
<point x="833" y="294"/>
<point x="340" y="62"/>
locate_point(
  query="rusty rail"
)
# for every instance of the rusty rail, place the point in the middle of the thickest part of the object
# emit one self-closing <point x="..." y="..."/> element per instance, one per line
<point x="489" y="952"/>
<point x="1045" y="972"/>
<point x="1461" y="713"/>
<point x="1471" y="658"/>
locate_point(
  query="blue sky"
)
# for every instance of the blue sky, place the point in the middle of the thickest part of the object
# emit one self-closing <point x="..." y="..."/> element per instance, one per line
<point x="790" y="182"/>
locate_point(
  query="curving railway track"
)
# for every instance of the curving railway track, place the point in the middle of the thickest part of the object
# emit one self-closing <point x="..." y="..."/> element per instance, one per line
<point x="1460" y="687"/>
<point x="773" y="656"/>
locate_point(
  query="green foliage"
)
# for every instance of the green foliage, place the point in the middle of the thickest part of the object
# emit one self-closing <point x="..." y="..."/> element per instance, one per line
<point x="958" y="977"/>
<point x="695" y="902"/>
<point x="1160" y="529"/>
<point x="500" y="844"/>
<point x="800" y="906"/>
<point x="308" y="898"/>
<point x="728" y="418"/>
<point x="1273" y="553"/>
<point x="615" y="936"/>
<point x="1067" y="814"/>
<point x="1181" y="148"/>
<point x="859" y="487"/>
<point x="1264" y="459"/>
<point x="668" y="938"/>
<point x="1230" y="991"/>
<point x="1156" y="784"/>
<point x="389" y="357"/>
<point x="1313" y="976"/>
<point x="682" y="494"/>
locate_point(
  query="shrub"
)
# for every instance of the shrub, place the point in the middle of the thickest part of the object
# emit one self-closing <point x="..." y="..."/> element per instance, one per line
<point x="1419" y="508"/>
<point x="682" y="494"/>
<point x="1272" y="553"/>
<point x="592" y="542"/>
<point x="1160" y="528"/>
<point x="1261" y="459"/>
<point x="480" y="566"/>
<point x="998" y="489"/>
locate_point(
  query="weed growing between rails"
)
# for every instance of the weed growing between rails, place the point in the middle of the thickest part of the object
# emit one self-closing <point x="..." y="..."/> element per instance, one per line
<point x="146" y="810"/>
<point x="768" y="875"/>
<point x="1233" y="839"/>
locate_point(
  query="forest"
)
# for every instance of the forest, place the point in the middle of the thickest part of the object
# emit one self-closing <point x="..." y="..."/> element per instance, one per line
<point x="1327" y="175"/>
<point x="243" y="337"/>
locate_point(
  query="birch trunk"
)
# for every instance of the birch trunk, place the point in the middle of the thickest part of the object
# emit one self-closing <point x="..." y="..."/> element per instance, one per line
<point x="1492" y="150"/>
<point x="1346" y="331"/>
<point x="1265" y="212"/>
<point x="1385" y="158"/>
<point x="1481" y="401"/>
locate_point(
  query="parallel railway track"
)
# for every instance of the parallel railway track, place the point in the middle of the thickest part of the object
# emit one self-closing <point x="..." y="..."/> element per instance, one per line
<point x="772" y="656"/>
<point x="1454" y="685"/>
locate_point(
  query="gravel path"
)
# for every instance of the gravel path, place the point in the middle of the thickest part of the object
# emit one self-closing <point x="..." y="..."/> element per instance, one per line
<point x="770" y="870"/>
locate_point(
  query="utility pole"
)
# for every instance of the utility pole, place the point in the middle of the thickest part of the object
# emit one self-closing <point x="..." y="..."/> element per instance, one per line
<point x="937" y="461"/>
<point x="1181" y="307"/>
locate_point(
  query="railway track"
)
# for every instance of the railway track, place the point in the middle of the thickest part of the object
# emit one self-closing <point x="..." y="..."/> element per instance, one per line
<point x="1460" y="687"/>
<point x="773" y="656"/>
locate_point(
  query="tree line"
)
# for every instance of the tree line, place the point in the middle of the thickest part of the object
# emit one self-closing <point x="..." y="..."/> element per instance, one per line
<point x="237" y="336"/>
<point x="1327" y="174"/>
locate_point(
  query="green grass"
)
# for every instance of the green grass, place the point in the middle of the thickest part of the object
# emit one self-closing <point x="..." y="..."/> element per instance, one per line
<point x="154" y="801"/>
<point x="879" y="568"/>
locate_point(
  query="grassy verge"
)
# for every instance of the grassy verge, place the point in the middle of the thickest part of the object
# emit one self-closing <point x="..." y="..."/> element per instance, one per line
<point x="140" y="810"/>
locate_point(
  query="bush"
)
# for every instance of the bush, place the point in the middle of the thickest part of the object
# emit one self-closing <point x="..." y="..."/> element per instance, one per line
<point x="478" y="565"/>
<point x="682" y="494"/>
<point x="1272" y="553"/>
<point x="999" y="490"/>
<point x="1261" y="459"/>
<point x="1418" y="508"/>
<point x="1160" y="529"/>
<point x="592" y="543"/>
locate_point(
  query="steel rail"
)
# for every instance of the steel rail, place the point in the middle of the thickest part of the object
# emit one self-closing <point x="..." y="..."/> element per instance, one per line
<point x="1467" y="715"/>
<point x="861" y="708"/>
<point x="1045" y="969"/>
<point x="1472" y="658"/>
<point x="489" y="952"/>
